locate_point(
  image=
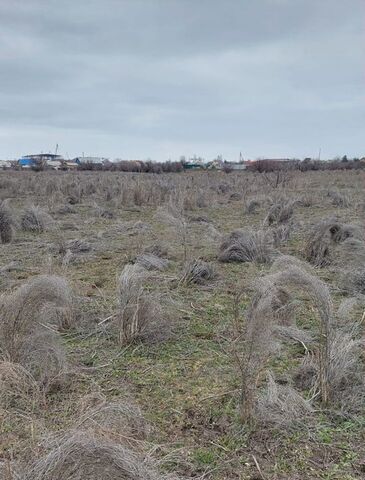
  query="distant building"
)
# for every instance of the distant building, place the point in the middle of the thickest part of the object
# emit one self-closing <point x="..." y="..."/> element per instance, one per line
<point x="94" y="160"/>
<point x="234" y="165"/>
<point x="5" y="164"/>
<point x="69" y="165"/>
<point x="42" y="160"/>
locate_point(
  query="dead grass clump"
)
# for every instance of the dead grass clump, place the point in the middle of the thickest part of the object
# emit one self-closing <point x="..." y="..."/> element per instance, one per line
<point x="247" y="246"/>
<point x="235" y="197"/>
<point x="353" y="281"/>
<point x="35" y="219"/>
<point x="282" y="405"/>
<point x="18" y="388"/>
<point x="150" y="261"/>
<point x="157" y="249"/>
<point x="173" y="216"/>
<point x="66" y="210"/>
<point x="119" y="420"/>
<point x="26" y="337"/>
<point x="74" y="246"/>
<point x="281" y="234"/>
<point x="251" y="349"/>
<point x="324" y="236"/>
<point x="139" y="314"/>
<point x="336" y="353"/>
<point x="339" y="199"/>
<point x="198" y="272"/>
<point x="280" y="212"/>
<point x="252" y="205"/>
<point x="7" y="223"/>
<point x="82" y="456"/>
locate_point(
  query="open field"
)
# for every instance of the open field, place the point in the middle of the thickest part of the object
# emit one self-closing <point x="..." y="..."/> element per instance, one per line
<point x="218" y="356"/>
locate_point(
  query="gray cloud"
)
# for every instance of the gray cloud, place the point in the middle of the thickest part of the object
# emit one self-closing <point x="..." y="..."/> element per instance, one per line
<point x="160" y="78"/>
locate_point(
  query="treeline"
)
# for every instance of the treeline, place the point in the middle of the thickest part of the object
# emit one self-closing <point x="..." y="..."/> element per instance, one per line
<point x="136" y="166"/>
<point x="305" y="165"/>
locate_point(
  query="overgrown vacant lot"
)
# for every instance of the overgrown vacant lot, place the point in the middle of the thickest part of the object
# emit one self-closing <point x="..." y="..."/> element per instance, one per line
<point x="196" y="325"/>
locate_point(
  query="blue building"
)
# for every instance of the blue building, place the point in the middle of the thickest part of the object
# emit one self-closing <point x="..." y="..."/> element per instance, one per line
<point x="28" y="161"/>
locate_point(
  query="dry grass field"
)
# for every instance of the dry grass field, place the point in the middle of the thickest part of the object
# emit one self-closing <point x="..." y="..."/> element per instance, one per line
<point x="195" y="325"/>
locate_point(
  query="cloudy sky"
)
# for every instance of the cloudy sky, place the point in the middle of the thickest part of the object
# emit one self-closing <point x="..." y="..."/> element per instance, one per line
<point x="163" y="78"/>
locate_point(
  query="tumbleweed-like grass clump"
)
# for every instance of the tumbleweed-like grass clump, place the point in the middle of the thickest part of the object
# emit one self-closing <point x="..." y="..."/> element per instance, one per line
<point x="320" y="242"/>
<point x="26" y="337"/>
<point x="139" y="314"/>
<point x="279" y="213"/>
<point x="198" y="272"/>
<point x="247" y="246"/>
<point x="7" y="223"/>
<point x="149" y="261"/>
<point x="35" y="219"/>
<point x="79" y="456"/>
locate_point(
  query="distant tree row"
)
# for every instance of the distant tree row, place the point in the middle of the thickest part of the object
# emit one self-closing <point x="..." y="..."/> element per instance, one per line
<point x="134" y="166"/>
<point x="305" y="165"/>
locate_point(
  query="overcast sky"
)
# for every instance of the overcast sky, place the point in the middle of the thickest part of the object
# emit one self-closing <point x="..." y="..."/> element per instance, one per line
<point x="163" y="78"/>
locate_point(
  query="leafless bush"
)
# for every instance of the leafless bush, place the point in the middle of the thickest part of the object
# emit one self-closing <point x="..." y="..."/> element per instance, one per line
<point x="197" y="271"/>
<point x="138" y="313"/>
<point x="80" y="455"/>
<point x="247" y="246"/>
<point x="280" y="212"/>
<point x="25" y="335"/>
<point x="7" y="223"/>
<point x="35" y="219"/>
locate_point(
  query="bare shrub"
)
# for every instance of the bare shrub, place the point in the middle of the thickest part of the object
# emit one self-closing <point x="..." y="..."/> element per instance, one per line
<point x="7" y="223"/>
<point x="197" y="271"/>
<point x="247" y="246"/>
<point x="150" y="261"/>
<point x="25" y="337"/>
<point x="138" y="313"/>
<point x="80" y="455"/>
<point x="35" y="219"/>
